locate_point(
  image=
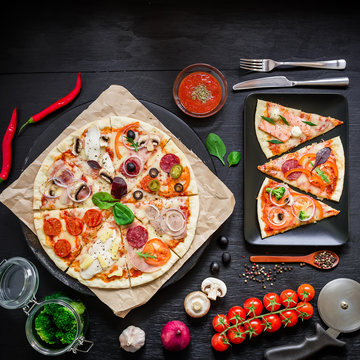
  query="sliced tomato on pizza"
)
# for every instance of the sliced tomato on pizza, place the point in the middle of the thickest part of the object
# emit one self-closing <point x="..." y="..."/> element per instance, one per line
<point x="279" y="128"/>
<point x="317" y="169"/>
<point x="280" y="209"/>
<point x="148" y="257"/>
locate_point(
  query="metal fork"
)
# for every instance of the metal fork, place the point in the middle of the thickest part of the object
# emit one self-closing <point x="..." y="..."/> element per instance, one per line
<point x="265" y="65"/>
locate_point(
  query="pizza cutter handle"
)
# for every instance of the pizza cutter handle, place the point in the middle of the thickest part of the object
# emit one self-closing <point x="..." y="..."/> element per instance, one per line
<point x="304" y="350"/>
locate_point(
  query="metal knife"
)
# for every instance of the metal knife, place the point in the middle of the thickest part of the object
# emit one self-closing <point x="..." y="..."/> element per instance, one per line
<point x="282" y="81"/>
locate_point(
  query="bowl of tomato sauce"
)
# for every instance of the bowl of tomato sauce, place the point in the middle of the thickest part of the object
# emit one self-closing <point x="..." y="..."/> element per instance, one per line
<point x="200" y="90"/>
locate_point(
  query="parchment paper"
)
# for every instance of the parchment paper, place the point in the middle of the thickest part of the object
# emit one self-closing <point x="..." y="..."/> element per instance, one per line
<point x="216" y="200"/>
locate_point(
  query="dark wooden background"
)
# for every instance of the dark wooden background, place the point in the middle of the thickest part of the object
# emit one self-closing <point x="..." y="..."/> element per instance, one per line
<point x="142" y="47"/>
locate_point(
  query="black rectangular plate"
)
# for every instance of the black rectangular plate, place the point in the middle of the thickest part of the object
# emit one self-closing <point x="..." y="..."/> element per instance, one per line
<point x="333" y="231"/>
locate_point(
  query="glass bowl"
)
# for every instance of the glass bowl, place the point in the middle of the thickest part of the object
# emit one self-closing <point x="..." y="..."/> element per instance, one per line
<point x="203" y="95"/>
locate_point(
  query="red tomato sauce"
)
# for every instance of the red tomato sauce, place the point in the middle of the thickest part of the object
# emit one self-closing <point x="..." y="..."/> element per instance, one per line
<point x="200" y="92"/>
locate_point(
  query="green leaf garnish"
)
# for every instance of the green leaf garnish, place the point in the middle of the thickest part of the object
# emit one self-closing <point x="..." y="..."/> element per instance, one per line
<point x="122" y="214"/>
<point x="146" y="255"/>
<point x="103" y="200"/>
<point x="216" y="146"/>
<point x="234" y="158"/>
<point x="271" y="121"/>
<point x="134" y="144"/>
<point x="320" y="173"/>
<point x="284" y="120"/>
<point x="309" y="123"/>
<point x="274" y="141"/>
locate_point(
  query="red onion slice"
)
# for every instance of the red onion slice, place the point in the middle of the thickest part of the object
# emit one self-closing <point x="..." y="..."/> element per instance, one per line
<point x="176" y="231"/>
<point x="312" y="204"/>
<point x="271" y="214"/>
<point x="63" y="178"/>
<point x="78" y="191"/>
<point x="287" y="193"/>
<point x="139" y="163"/>
<point x="152" y="212"/>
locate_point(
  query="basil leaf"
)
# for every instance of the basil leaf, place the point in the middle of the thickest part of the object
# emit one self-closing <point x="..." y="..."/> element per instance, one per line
<point x="274" y="141"/>
<point x="122" y="214"/>
<point x="271" y="121"/>
<point x="321" y="157"/>
<point x="234" y="158"/>
<point x="284" y="120"/>
<point x="103" y="200"/>
<point x="309" y="123"/>
<point x="216" y="146"/>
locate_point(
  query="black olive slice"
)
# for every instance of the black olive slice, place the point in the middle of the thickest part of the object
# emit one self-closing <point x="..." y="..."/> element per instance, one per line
<point x="131" y="134"/>
<point x="178" y="187"/>
<point x="130" y="167"/>
<point x="153" y="172"/>
<point x="94" y="164"/>
<point x="138" y="195"/>
<point x="82" y="187"/>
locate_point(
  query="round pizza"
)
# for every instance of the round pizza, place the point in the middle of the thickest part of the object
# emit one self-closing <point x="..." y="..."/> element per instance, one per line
<point x="116" y="203"/>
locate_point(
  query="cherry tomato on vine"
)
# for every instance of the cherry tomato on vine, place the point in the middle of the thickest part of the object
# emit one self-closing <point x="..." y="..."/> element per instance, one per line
<point x="220" y="322"/>
<point x="236" y="314"/>
<point x="305" y="310"/>
<point x="289" y="298"/>
<point x="306" y="292"/>
<point x="289" y="318"/>
<point x="272" y="302"/>
<point x="254" y="326"/>
<point x="271" y="323"/>
<point x="236" y="335"/>
<point x="253" y="307"/>
<point x="220" y="342"/>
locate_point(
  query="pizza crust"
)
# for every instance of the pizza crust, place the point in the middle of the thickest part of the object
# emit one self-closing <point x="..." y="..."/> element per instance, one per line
<point x="262" y="224"/>
<point x="261" y="135"/>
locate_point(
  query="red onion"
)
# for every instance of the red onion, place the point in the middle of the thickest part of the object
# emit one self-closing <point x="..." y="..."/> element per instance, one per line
<point x="175" y="336"/>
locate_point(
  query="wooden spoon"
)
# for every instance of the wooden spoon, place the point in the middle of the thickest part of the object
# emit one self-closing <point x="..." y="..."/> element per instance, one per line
<point x="309" y="259"/>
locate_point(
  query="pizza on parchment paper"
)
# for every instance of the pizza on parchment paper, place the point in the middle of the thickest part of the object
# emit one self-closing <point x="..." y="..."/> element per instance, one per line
<point x="279" y="208"/>
<point x="326" y="180"/>
<point x="139" y="166"/>
<point x="279" y="128"/>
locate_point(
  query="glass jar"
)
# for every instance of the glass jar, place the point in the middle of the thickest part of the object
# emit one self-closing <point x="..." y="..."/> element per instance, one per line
<point x="19" y="282"/>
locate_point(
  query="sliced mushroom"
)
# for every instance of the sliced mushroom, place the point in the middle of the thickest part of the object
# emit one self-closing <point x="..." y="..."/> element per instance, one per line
<point x="213" y="287"/>
<point x="104" y="140"/>
<point x="77" y="146"/>
<point x="154" y="141"/>
<point x="196" y="304"/>
<point x="50" y="189"/>
<point x="106" y="176"/>
<point x="78" y="191"/>
<point x="143" y="139"/>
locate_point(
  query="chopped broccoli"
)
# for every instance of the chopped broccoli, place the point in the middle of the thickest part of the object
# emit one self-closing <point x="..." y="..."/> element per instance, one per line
<point x="303" y="215"/>
<point x="56" y="324"/>
<point x="64" y="319"/>
<point x="277" y="192"/>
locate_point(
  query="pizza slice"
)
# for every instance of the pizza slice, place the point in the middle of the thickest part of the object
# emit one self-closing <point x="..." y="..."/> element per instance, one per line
<point x="102" y="262"/>
<point x="172" y="220"/>
<point x="63" y="233"/>
<point x="148" y="258"/>
<point x="169" y="175"/>
<point x="279" y="209"/>
<point x="318" y="169"/>
<point x="279" y="128"/>
<point x="134" y="143"/>
<point x="79" y="166"/>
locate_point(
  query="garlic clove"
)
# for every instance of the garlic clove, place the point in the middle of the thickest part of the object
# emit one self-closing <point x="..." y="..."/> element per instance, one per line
<point x="132" y="339"/>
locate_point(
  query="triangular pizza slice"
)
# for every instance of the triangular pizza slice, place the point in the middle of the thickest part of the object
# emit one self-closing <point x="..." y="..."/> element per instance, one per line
<point x="279" y="128"/>
<point x="318" y="169"/>
<point x="280" y="209"/>
<point x="173" y="220"/>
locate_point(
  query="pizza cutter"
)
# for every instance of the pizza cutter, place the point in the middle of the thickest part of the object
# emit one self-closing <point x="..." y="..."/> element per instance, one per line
<point x="339" y="308"/>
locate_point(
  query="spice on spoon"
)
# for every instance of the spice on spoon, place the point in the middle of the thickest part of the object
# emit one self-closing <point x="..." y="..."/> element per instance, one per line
<point x="325" y="259"/>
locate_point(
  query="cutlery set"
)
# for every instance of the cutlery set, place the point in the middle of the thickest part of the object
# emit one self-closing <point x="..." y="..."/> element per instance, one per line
<point x="267" y="65"/>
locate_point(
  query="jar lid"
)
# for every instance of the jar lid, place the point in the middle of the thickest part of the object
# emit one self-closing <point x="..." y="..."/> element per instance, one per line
<point x="19" y="282"/>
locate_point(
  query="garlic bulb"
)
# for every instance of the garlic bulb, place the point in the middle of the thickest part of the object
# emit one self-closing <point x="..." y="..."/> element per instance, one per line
<point x="132" y="338"/>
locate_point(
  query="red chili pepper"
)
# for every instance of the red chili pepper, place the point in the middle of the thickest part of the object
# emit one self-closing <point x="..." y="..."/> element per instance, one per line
<point x="57" y="105"/>
<point x="6" y="147"/>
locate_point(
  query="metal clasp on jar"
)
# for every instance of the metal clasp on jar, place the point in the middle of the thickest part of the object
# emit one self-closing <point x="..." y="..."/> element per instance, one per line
<point x="80" y="342"/>
<point x="30" y="305"/>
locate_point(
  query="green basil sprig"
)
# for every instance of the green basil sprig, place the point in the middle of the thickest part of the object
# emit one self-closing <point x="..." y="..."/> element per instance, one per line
<point x="234" y="158"/>
<point x="216" y="146"/>
<point x="122" y="214"/>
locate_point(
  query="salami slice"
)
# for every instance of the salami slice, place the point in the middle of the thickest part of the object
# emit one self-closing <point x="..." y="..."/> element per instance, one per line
<point x="168" y="161"/>
<point x="289" y="165"/>
<point x="137" y="236"/>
